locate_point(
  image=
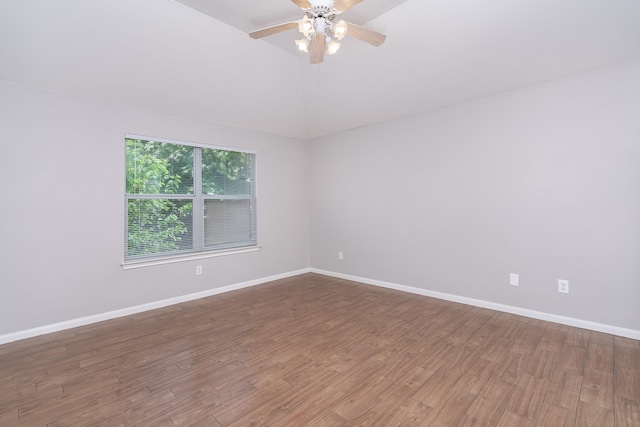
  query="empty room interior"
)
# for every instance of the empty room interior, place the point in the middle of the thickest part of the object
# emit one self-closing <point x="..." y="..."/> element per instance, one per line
<point x="438" y="224"/>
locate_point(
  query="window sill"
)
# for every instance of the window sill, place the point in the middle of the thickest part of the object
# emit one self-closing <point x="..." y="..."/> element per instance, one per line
<point x="190" y="257"/>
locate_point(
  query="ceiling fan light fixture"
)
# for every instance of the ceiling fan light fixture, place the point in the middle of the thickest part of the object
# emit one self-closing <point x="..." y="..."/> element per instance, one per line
<point x="305" y="26"/>
<point x="303" y="45"/>
<point x="339" y="29"/>
<point x="321" y="32"/>
<point x="332" y="47"/>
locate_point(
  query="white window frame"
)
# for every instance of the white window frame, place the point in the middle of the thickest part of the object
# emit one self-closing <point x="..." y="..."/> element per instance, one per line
<point x="199" y="251"/>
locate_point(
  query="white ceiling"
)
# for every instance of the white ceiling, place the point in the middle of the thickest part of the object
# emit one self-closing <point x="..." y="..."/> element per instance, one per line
<point x="163" y="55"/>
<point x="251" y="15"/>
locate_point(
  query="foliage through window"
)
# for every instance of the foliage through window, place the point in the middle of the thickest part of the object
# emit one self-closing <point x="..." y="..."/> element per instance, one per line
<point x="183" y="198"/>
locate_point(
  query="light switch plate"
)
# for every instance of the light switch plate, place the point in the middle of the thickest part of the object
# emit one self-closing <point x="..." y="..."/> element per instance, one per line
<point x="514" y="279"/>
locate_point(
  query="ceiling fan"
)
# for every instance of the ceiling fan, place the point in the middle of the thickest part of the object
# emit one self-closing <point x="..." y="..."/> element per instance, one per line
<point x="317" y="26"/>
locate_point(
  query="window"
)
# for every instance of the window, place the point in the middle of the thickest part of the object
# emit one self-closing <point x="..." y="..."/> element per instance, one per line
<point x="184" y="199"/>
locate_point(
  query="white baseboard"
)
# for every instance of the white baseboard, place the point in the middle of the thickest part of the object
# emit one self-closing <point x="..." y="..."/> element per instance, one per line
<point x="570" y="321"/>
<point x="585" y="324"/>
<point x="56" y="327"/>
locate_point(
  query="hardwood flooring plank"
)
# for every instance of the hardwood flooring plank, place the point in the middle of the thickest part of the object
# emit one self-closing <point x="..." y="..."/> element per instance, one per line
<point x="528" y="340"/>
<point x="509" y="419"/>
<point x="312" y="350"/>
<point x="438" y="387"/>
<point x="594" y="416"/>
<point x="627" y="369"/>
<point x="551" y="415"/>
<point x="450" y="410"/>
<point x="245" y="404"/>
<point x="564" y="389"/>
<point x="597" y="388"/>
<point x="306" y="411"/>
<point x="578" y="337"/>
<point x="375" y="416"/>
<point x="572" y="358"/>
<point x="528" y="397"/>
<point x="412" y="413"/>
<point x="9" y="416"/>
<point x="542" y="364"/>
<point x="552" y="340"/>
<point x="514" y="367"/>
<point x="405" y="386"/>
<point x="599" y="358"/>
<point x="627" y="413"/>
<point x="361" y="400"/>
<point x="476" y="376"/>
<point x="306" y="400"/>
<point x="327" y="419"/>
<point x="491" y="403"/>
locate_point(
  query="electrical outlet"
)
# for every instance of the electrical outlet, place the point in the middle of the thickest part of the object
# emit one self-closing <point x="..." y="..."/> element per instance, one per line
<point x="340" y="256"/>
<point x="198" y="270"/>
<point x="563" y="286"/>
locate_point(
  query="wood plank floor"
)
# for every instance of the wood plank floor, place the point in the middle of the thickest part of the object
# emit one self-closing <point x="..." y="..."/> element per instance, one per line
<point x="318" y="351"/>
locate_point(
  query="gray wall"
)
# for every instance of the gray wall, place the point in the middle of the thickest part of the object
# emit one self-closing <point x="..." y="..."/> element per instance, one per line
<point x="543" y="181"/>
<point x="62" y="223"/>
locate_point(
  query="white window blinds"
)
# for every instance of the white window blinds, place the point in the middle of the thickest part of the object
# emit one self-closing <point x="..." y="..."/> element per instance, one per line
<point x="183" y="198"/>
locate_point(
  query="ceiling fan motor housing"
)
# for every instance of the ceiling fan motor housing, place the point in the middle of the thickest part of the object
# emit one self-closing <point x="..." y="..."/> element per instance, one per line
<point x="328" y="4"/>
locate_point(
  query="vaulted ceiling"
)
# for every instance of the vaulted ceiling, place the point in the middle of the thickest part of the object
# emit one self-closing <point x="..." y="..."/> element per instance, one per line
<point x="193" y="57"/>
<point x="251" y="15"/>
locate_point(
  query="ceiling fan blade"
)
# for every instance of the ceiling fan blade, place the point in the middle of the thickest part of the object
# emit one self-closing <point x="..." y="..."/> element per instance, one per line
<point x="273" y="30"/>
<point x="342" y="5"/>
<point x="317" y="48"/>
<point x="367" y="36"/>
<point x="302" y="4"/>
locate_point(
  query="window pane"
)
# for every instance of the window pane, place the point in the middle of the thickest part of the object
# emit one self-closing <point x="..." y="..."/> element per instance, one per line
<point x="165" y="216"/>
<point x="157" y="226"/>
<point x="158" y="167"/>
<point x="228" y="223"/>
<point x="226" y="172"/>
